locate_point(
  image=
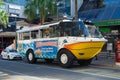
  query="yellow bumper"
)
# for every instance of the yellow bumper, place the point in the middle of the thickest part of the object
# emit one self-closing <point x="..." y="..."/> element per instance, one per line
<point x="85" y="50"/>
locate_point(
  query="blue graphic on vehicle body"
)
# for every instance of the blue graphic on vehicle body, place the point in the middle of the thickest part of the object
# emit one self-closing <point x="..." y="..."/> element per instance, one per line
<point x="42" y="49"/>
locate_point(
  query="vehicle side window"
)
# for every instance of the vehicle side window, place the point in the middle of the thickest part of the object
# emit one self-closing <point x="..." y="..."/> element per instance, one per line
<point x="65" y="29"/>
<point x="54" y="31"/>
<point x="35" y="34"/>
<point x="6" y="50"/>
<point x="26" y="35"/>
<point x="45" y="33"/>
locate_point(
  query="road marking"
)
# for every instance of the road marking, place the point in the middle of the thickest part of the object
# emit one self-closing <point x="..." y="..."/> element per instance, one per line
<point x="83" y="71"/>
<point x="30" y="77"/>
<point x="19" y="78"/>
<point x="99" y="73"/>
<point x="2" y="74"/>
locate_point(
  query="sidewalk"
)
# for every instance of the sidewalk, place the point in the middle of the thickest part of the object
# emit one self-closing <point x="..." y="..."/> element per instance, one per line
<point x="105" y="62"/>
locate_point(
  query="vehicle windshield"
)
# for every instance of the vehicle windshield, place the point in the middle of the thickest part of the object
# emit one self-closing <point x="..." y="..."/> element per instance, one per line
<point x="72" y="29"/>
<point x="79" y="29"/>
<point x="93" y="31"/>
<point x="12" y="50"/>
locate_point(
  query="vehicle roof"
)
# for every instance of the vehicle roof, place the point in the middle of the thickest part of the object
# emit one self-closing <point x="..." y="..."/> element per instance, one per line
<point x="37" y="27"/>
<point x="42" y="26"/>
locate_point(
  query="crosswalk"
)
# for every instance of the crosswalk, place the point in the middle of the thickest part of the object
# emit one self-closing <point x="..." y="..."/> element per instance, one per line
<point x="3" y="75"/>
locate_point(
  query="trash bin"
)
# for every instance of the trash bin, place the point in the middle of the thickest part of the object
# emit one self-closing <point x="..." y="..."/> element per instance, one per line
<point x="109" y="49"/>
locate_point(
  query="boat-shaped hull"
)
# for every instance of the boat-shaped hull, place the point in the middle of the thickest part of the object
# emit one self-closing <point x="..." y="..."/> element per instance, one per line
<point x="85" y="50"/>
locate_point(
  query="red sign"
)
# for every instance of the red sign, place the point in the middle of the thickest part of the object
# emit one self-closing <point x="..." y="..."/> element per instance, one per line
<point x="117" y="55"/>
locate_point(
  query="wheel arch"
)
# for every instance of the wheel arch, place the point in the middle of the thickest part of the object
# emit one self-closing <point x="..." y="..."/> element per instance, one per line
<point x="67" y="50"/>
<point x="33" y="60"/>
<point x="30" y="49"/>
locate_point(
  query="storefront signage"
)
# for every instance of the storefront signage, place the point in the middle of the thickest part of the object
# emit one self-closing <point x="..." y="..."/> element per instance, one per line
<point x="104" y="29"/>
<point x="14" y="7"/>
<point x="14" y="10"/>
<point x="107" y="22"/>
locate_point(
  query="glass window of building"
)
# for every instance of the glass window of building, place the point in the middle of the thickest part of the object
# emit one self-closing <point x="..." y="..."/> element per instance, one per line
<point x="67" y="6"/>
<point x="92" y="4"/>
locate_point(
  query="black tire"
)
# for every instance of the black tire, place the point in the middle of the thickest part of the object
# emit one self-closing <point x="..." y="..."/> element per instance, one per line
<point x="85" y="62"/>
<point x="8" y="57"/>
<point x="49" y="60"/>
<point x="65" y="58"/>
<point x="30" y="57"/>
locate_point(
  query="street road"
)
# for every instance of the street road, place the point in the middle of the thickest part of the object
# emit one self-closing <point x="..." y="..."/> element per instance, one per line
<point x="19" y="70"/>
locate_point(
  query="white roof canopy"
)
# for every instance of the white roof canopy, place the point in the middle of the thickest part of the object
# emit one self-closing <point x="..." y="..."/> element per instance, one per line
<point x="8" y="34"/>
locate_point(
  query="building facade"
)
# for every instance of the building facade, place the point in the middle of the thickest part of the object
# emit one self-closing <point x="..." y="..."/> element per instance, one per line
<point x="15" y="12"/>
<point x="104" y="13"/>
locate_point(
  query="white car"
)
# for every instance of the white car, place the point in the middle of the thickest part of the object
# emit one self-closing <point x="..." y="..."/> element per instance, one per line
<point x="10" y="54"/>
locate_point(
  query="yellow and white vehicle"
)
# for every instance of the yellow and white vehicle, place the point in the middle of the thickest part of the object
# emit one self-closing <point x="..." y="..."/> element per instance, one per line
<point x="65" y="41"/>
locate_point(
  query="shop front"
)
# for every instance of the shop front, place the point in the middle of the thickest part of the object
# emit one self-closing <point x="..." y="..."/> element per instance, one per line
<point x="6" y="39"/>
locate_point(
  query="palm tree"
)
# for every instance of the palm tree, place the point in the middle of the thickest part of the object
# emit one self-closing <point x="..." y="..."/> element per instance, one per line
<point x="30" y="11"/>
<point x="3" y="18"/>
<point x="39" y="7"/>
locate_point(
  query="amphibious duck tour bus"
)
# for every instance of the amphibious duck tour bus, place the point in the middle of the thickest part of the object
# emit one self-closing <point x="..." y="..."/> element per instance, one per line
<point x="64" y="41"/>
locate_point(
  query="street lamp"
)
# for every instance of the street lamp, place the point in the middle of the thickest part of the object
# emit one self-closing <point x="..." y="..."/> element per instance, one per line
<point x="60" y="5"/>
<point x="57" y="12"/>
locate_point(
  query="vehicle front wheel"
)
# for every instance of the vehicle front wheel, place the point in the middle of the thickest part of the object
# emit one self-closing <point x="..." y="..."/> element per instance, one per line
<point x="30" y="57"/>
<point x="65" y="58"/>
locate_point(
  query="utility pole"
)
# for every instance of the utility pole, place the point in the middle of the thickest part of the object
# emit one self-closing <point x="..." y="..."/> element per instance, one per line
<point x="76" y="12"/>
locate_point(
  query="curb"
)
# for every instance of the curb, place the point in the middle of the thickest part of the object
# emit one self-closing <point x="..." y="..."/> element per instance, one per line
<point x="105" y="66"/>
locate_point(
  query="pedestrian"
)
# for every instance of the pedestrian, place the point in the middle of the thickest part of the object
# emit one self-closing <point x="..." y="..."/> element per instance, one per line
<point x="96" y="58"/>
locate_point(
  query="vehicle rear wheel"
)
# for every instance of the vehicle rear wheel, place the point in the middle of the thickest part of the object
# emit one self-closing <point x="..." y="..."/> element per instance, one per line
<point x="30" y="57"/>
<point x="65" y="58"/>
<point x="85" y="62"/>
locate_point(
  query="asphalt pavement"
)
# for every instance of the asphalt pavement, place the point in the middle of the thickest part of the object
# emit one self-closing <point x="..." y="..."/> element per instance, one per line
<point x="104" y="61"/>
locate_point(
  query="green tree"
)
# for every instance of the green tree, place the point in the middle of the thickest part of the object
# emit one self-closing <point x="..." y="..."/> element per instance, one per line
<point x="3" y="18"/>
<point x="40" y="7"/>
<point x="30" y="11"/>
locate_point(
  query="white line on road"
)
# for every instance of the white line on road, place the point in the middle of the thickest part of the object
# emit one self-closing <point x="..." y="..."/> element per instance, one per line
<point x="57" y="68"/>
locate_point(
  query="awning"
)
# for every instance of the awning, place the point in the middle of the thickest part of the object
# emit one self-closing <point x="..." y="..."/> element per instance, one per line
<point x="108" y="16"/>
<point x="22" y="23"/>
<point x="8" y="34"/>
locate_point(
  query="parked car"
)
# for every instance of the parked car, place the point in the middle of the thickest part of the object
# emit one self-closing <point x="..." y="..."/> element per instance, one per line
<point x="10" y="54"/>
